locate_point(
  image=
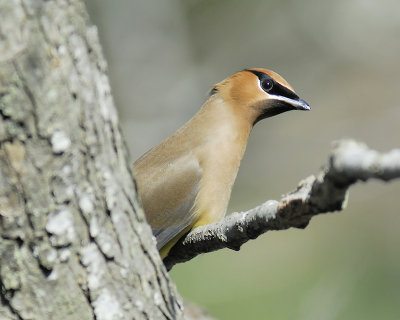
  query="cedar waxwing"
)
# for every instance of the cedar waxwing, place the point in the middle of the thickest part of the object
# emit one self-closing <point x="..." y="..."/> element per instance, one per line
<point x="186" y="180"/>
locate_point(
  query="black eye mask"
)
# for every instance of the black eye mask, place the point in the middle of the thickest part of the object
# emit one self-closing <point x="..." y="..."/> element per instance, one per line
<point x="272" y="87"/>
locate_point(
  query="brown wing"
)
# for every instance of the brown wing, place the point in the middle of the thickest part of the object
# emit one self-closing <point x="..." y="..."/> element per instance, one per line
<point x="168" y="191"/>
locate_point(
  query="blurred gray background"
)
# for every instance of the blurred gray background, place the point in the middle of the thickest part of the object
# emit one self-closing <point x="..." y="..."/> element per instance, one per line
<point x="343" y="57"/>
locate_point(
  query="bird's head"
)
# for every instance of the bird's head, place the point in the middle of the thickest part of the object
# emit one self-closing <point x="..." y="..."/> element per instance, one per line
<point x="258" y="94"/>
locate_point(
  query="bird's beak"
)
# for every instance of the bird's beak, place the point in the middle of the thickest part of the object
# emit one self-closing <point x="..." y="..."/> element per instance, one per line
<point x="301" y="105"/>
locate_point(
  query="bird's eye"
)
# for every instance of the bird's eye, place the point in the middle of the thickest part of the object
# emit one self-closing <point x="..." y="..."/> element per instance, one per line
<point x="267" y="84"/>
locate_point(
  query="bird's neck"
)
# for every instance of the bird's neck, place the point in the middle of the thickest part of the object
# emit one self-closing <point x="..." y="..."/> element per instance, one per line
<point x="223" y="142"/>
<point x="223" y="126"/>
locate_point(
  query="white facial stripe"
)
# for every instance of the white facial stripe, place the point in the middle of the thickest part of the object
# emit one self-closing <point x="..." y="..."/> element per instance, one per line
<point x="259" y="85"/>
<point x="285" y="99"/>
<point x="296" y="103"/>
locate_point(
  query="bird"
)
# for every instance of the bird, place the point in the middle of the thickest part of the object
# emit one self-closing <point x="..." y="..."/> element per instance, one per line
<point x="186" y="180"/>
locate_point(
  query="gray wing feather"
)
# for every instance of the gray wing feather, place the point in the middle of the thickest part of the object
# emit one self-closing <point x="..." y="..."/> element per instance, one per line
<point x="181" y="218"/>
<point x="164" y="236"/>
<point x="179" y="181"/>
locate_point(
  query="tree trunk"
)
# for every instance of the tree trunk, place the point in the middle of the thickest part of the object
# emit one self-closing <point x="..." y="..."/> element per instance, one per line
<point x="74" y="241"/>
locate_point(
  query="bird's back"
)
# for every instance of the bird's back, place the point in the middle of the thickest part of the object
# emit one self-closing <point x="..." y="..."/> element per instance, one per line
<point x="168" y="178"/>
<point x="186" y="180"/>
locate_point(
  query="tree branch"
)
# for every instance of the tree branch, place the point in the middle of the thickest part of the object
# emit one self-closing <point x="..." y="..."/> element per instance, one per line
<point x="348" y="163"/>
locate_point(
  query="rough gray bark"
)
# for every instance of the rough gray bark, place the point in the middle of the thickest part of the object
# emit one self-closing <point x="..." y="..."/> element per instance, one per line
<point x="74" y="243"/>
<point x="349" y="162"/>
